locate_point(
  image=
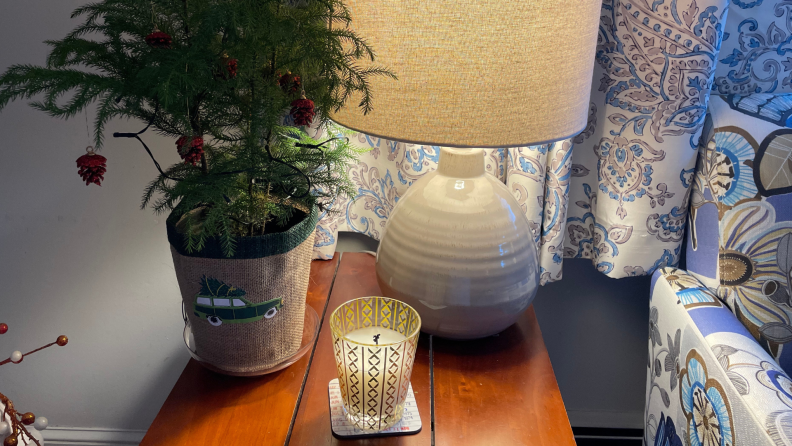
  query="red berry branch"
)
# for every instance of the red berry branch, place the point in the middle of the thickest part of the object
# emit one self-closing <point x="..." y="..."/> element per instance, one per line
<point x="16" y="427"/>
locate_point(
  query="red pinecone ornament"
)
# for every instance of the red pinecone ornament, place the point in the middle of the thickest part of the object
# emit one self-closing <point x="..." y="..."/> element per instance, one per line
<point x="92" y="167"/>
<point x="230" y="71"/>
<point x="290" y="83"/>
<point x="303" y="111"/>
<point x="159" y="39"/>
<point x="231" y="66"/>
<point x="190" y="149"/>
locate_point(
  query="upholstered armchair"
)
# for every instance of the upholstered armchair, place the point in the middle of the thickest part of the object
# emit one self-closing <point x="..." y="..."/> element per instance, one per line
<point x="720" y="338"/>
<point x="719" y="331"/>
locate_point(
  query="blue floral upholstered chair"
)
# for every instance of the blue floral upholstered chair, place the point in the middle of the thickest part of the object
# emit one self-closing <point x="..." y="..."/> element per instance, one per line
<point x="720" y="332"/>
<point x="720" y="339"/>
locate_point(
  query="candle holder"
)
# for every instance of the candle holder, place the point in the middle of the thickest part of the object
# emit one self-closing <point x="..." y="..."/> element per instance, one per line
<point x="374" y="339"/>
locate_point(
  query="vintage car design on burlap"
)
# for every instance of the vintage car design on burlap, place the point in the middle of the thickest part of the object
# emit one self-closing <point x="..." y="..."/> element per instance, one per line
<point x="219" y="303"/>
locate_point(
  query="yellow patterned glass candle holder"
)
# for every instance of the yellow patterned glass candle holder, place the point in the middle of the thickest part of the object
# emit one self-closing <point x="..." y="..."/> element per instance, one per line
<point x="374" y="339"/>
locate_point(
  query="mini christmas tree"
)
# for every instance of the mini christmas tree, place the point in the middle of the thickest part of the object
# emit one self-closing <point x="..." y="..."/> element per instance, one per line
<point x="210" y="74"/>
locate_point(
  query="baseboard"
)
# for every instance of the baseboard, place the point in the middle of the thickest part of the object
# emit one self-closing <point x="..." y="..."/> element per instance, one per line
<point x="89" y="436"/>
<point x="608" y="433"/>
<point x="606" y="419"/>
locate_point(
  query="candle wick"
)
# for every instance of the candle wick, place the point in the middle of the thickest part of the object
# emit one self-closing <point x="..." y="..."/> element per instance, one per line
<point x="376" y="339"/>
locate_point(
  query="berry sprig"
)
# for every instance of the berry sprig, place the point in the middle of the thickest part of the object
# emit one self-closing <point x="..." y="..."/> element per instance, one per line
<point x="17" y="356"/>
<point x="16" y="429"/>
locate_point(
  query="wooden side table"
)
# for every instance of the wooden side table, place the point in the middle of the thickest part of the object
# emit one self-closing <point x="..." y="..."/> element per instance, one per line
<point x="496" y="391"/>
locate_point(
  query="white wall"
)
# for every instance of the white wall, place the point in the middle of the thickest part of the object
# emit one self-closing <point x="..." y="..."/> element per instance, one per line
<point x="81" y="261"/>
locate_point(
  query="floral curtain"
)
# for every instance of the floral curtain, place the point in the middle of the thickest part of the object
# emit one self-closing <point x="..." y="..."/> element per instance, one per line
<point x="755" y="54"/>
<point x="633" y="165"/>
<point x="620" y="197"/>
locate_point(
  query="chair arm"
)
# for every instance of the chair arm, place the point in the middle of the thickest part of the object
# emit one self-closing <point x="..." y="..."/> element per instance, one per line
<point x="707" y="376"/>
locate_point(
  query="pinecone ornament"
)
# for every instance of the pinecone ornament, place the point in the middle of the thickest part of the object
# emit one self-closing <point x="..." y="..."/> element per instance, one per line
<point x="190" y="149"/>
<point x="231" y="66"/>
<point x="303" y="111"/>
<point x="290" y="83"/>
<point x="92" y="167"/>
<point x="159" y="39"/>
<point x="230" y="71"/>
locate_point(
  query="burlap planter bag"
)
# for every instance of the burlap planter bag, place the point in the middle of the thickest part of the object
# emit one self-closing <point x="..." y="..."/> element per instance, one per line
<point x="246" y="312"/>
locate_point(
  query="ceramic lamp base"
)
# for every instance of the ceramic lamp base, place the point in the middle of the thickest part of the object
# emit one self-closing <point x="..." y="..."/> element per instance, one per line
<point x="410" y="422"/>
<point x="459" y="250"/>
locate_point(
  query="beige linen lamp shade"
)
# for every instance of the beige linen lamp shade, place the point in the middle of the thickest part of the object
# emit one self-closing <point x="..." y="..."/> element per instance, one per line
<point x="476" y="73"/>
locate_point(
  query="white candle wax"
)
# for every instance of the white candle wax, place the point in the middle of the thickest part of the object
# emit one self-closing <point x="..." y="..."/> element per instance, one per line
<point x="386" y="376"/>
<point x="366" y="336"/>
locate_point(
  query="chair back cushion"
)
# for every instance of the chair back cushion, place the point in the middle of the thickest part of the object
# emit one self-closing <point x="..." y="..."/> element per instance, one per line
<point x="740" y="232"/>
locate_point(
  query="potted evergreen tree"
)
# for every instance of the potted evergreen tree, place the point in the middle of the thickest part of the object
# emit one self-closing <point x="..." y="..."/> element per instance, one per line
<point x="239" y="85"/>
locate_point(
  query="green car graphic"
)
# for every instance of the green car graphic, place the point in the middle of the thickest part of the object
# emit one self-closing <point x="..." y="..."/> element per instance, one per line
<point x="219" y="302"/>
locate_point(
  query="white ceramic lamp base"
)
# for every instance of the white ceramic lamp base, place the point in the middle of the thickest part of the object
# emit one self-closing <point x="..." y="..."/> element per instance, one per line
<point x="458" y="248"/>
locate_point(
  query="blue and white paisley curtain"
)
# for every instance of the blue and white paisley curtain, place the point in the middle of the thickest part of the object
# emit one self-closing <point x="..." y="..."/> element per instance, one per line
<point x="632" y="171"/>
<point x="755" y="56"/>
<point x="620" y="197"/>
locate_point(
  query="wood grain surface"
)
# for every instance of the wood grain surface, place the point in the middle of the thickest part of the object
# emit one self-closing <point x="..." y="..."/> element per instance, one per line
<point x="355" y="278"/>
<point x="205" y="408"/>
<point x="498" y="390"/>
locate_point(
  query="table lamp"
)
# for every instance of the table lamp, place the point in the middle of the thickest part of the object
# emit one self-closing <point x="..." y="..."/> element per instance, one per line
<point x="471" y="74"/>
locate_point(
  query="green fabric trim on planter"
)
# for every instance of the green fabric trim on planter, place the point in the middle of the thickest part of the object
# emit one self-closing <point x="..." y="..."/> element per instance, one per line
<point x="254" y="247"/>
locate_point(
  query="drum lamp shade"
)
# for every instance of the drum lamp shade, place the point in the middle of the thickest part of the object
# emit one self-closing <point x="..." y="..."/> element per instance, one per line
<point x="476" y="73"/>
